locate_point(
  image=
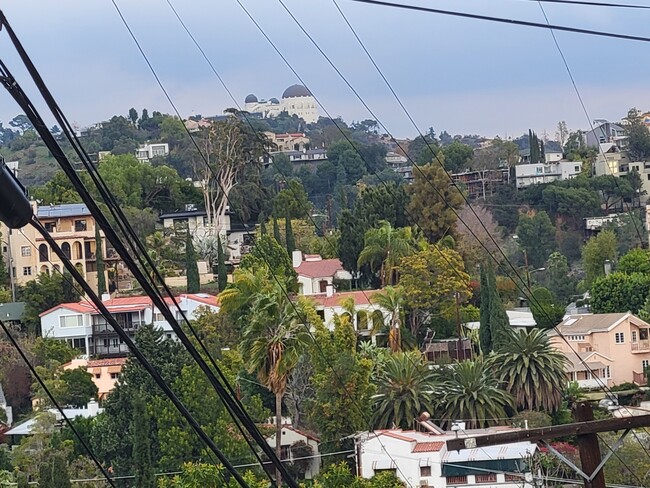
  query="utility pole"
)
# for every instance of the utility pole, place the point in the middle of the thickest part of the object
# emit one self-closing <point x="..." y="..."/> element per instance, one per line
<point x="589" y="448"/>
<point x="460" y="354"/>
<point x="526" y="264"/>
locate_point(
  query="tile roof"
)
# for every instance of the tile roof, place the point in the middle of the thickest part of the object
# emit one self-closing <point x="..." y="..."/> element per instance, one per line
<point x="65" y="210"/>
<point x="361" y="297"/>
<point x="321" y="268"/>
<point x="428" y="446"/>
<point x="588" y="323"/>
<point x="98" y="363"/>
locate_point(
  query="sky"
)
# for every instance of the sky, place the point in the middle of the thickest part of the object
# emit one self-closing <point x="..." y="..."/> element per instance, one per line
<point x="460" y="75"/>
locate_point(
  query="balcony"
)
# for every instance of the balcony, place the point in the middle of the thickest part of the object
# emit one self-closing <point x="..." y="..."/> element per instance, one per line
<point x="640" y="378"/>
<point x="642" y="346"/>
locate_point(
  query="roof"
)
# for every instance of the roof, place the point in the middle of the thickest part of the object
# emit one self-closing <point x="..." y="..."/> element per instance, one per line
<point x="428" y="446"/>
<point x="577" y="361"/>
<point x="515" y="450"/>
<point x="296" y="91"/>
<point x="588" y="323"/>
<point x="12" y="311"/>
<point x="26" y="427"/>
<point x="301" y="432"/>
<point x="250" y="99"/>
<point x="321" y="268"/>
<point x="359" y="297"/>
<point x="64" y="210"/>
<point x="517" y="318"/>
<point x="99" y="363"/>
<point x="181" y="215"/>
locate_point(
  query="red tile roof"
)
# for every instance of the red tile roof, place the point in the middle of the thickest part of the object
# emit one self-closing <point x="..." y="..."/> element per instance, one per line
<point x="428" y="446"/>
<point x="360" y="298"/>
<point x="98" y="363"/>
<point x="323" y="268"/>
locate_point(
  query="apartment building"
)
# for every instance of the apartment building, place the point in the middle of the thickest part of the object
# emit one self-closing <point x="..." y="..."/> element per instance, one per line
<point x="537" y="173"/>
<point x="73" y="228"/>
<point x="86" y="329"/>
<point x="147" y="152"/>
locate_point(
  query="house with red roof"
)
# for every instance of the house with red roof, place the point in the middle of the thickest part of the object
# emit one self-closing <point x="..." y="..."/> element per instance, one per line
<point x="296" y="443"/>
<point x="420" y="457"/>
<point x="86" y="329"/>
<point x="104" y="372"/>
<point x="315" y="273"/>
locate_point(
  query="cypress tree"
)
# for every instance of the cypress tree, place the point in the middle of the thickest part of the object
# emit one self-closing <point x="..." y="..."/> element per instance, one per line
<point x="144" y="475"/>
<point x="53" y="473"/>
<point x="291" y="242"/>
<point x="262" y="221"/>
<point x="531" y="145"/>
<point x="192" y="273"/>
<point x="542" y="152"/>
<point x="222" y="274"/>
<point x="485" y="332"/>
<point x="499" y="323"/>
<point x="101" y="273"/>
<point x="276" y="230"/>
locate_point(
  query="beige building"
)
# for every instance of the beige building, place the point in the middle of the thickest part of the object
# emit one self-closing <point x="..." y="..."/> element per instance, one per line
<point x="105" y="372"/>
<point x="614" y="346"/>
<point x="73" y="228"/>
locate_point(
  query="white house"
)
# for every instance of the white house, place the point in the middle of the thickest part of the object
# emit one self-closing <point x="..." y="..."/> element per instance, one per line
<point x="86" y="329"/>
<point x="147" y="152"/>
<point x="291" y="436"/>
<point x="519" y="318"/>
<point x="422" y="459"/>
<point x="315" y="273"/>
<point x="533" y="174"/>
<point x="28" y="427"/>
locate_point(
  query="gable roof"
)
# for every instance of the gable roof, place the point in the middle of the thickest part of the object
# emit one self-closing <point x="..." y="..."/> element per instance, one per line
<point x="428" y="446"/>
<point x="588" y="323"/>
<point x="361" y="297"/>
<point x="323" y="268"/>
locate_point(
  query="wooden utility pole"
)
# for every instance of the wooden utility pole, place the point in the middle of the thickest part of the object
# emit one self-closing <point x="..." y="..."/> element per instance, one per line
<point x="590" y="457"/>
<point x="460" y="353"/>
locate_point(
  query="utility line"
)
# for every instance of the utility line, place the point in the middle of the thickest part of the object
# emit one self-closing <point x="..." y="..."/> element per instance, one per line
<point x="67" y="419"/>
<point x="505" y="20"/>
<point x="593" y="4"/>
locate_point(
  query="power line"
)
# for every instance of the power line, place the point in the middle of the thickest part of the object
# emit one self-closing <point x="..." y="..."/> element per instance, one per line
<point x="56" y="404"/>
<point x="594" y="4"/>
<point x="505" y="20"/>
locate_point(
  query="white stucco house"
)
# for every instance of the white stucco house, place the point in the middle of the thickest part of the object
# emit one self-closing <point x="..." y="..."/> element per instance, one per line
<point x="291" y="436"/>
<point x="152" y="150"/>
<point x="85" y="328"/>
<point x="315" y="273"/>
<point x="421" y="459"/>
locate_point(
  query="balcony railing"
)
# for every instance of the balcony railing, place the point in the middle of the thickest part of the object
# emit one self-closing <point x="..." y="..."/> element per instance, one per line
<point x="642" y="345"/>
<point x="640" y="378"/>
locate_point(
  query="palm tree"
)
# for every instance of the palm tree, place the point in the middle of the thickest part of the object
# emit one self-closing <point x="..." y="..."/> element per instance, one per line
<point x="405" y="389"/>
<point x="469" y="391"/>
<point x="236" y="299"/>
<point x="532" y="370"/>
<point x="384" y="246"/>
<point x="272" y="342"/>
<point x="391" y="299"/>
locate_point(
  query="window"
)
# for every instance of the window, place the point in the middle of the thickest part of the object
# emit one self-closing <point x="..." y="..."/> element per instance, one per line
<point x="25" y="251"/>
<point x="71" y="321"/>
<point x="98" y="375"/>
<point x="645" y="363"/>
<point x="80" y="225"/>
<point x="539" y="171"/>
<point x="576" y="169"/>
<point x="425" y="471"/>
<point x="576" y="338"/>
<point x="158" y="317"/>
<point x="79" y="344"/>
<point x="634" y="336"/>
<point x="43" y="253"/>
<point x="514" y="477"/>
<point x="608" y="373"/>
<point x="115" y="376"/>
<point x="457" y="480"/>
<point x="27" y="271"/>
<point x="50" y="226"/>
<point x="114" y="342"/>
<point x="486" y="478"/>
<point x="619" y="337"/>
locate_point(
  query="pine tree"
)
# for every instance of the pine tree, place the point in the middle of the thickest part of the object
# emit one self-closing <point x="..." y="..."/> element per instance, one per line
<point x="193" y="280"/>
<point x="276" y="230"/>
<point x="485" y="331"/>
<point x="291" y="242"/>
<point x="222" y="274"/>
<point x="144" y="475"/>
<point x="101" y="274"/>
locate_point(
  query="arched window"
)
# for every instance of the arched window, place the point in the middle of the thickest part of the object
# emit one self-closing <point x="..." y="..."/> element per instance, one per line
<point x="45" y="270"/>
<point x="77" y="250"/>
<point x="377" y="321"/>
<point x="65" y="247"/>
<point x="362" y="320"/>
<point x="56" y="268"/>
<point x="80" y="268"/>
<point x="43" y="253"/>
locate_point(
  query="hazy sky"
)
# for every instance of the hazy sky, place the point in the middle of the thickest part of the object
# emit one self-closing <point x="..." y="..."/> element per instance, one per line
<point x="459" y="75"/>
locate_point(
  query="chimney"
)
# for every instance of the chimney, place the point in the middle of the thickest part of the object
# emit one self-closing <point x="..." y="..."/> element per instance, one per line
<point x="329" y="290"/>
<point x="106" y="297"/>
<point x="296" y="258"/>
<point x="93" y="407"/>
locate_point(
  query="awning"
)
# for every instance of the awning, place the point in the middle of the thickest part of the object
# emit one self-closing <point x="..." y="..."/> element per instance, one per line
<point x="383" y="464"/>
<point x="425" y="462"/>
<point x="484" y="467"/>
<point x="581" y="367"/>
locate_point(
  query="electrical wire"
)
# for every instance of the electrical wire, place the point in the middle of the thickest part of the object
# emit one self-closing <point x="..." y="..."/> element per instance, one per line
<point x="69" y="422"/>
<point x="621" y="460"/>
<point x="502" y="20"/>
<point x="594" y="4"/>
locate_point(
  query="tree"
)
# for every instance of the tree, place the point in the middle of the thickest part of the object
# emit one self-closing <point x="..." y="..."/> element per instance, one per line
<point x="391" y="299"/>
<point x="470" y="390"/>
<point x="638" y="136"/>
<point x="493" y="318"/>
<point x="384" y="247"/>
<point x="405" y="389"/>
<point x="485" y="333"/>
<point x="43" y="293"/>
<point x="433" y="280"/>
<point x="351" y="241"/>
<point x="619" y="292"/>
<point x="562" y="133"/>
<point x="275" y="337"/>
<point x="144" y="476"/>
<point x="457" y="156"/>
<point x="133" y="115"/>
<point x="191" y="266"/>
<point x="54" y="472"/>
<point x="536" y="236"/>
<point x="289" y="239"/>
<point x="532" y="370"/>
<point x="276" y="231"/>
<point x="433" y="201"/>
<point x="268" y="254"/>
<point x="596" y="252"/>
<point x="546" y="312"/>
<point x="635" y="261"/>
<point x="479" y="236"/>
<point x="558" y="278"/>
<point x="292" y="201"/>
<point x="80" y="388"/>
<point x="382" y="202"/>
<point x="101" y="274"/>
<point x="222" y="274"/>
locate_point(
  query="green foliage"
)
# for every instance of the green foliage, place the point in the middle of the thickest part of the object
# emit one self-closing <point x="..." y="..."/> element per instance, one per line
<point x="201" y="475"/>
<point x="485" y="333"/>
<point x="457" y="156"/>
<point x="620" y="292"/>
<point x="635" y="261"/>
<point x="101" y="274"/>
<point x="292" y="201"/>
<point x="432" y="201"/>
<point x="289" y="238"/>
<point x="191" y="266"/>
<point x="276" y="230"/>
<point x="351" y="241"/>
<point x="638" y="136"/>
<point x="383" y="249"/>
<point x="537" y="237"/>
<point x="268" y="254"/>
<point x="495" y="324"/>
<point x="339" y="475"/>
<point x="222" y="274"/>
<point x="532" y="370"/>
<point x="558" y="279"/>
<point x="405" y="389"/>
<point x="80" y="388"/>
<point x="382" y="202"/>
<point x="596" y="252"/>
<point x="43" y="293"/>
<point x="54" y="472"/>
<point x="144" y="473"/>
